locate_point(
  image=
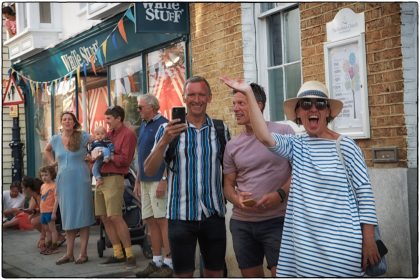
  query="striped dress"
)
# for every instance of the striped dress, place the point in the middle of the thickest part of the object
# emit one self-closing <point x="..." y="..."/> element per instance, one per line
<point x="322" y="230"/>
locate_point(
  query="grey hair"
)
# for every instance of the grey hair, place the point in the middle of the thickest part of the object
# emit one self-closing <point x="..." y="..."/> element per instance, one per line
<point x="151" y="100"/>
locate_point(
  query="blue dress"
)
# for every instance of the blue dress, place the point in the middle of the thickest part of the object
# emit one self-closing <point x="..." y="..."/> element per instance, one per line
<point x="73" y="184"/>
<point x="322" y="234"/>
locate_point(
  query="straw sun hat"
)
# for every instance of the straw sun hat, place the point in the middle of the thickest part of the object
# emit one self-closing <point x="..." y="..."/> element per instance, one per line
<point x="312" y="89"/>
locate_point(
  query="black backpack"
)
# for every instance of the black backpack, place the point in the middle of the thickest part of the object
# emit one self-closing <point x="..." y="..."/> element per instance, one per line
<point x="220" y="134"/>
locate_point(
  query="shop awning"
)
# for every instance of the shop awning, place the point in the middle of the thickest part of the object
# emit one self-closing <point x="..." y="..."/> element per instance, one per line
<point x="58" y="61"/>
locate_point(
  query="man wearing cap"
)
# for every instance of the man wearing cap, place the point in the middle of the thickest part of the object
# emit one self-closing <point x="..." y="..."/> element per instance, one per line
<point x="330" y="215"/>
<point x="253" y="172"/>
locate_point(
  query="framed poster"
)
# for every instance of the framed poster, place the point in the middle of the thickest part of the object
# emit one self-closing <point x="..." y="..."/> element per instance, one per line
<point x="346" y="79"/>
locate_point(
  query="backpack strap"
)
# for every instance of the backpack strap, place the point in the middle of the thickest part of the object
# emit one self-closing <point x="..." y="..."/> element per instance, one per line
<point x="220" y="132"/>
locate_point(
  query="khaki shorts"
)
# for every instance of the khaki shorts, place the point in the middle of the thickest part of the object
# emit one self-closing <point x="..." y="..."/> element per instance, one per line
<point x="151" y="206"/>
<point x="109" y="196"/>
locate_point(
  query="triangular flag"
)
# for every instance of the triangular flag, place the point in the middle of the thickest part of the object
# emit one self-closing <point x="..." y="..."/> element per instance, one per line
<point x="65" y="78"/>
<point x="99" y="56"/>
<point x="122" y="30"/>
<point x="84" y="69"/>
<point x="92" y="61"/>
<point x="104" y="49"/>
<point x="130" y="16"/>
<point x="71" y="75"/>
<point x="31" y="84"/>
<point x="78" y="75"/>
<point x="114" y="41"/>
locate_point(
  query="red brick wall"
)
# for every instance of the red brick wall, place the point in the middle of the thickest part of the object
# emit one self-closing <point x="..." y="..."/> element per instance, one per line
<point x="384" y="68"/>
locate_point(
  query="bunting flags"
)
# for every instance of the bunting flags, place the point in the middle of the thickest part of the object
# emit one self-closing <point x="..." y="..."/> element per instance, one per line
<point x="35" y="85"/>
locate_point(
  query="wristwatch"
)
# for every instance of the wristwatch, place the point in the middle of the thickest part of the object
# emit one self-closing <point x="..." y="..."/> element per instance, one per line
<point x="164" y="178"/>
<point x="282" y="194"/>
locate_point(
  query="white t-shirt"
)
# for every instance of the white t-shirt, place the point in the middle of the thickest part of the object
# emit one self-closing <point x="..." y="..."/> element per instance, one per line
<point x="9" y="202"/>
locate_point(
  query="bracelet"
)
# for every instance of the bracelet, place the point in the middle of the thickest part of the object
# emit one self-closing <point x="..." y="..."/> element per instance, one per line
<point x="282" y="194"/>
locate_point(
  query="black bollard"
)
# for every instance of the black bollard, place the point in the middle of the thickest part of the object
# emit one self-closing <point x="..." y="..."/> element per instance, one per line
<point x="17" y="147"/>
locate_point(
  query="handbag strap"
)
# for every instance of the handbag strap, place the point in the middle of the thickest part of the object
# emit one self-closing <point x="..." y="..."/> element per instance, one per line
<point x="340" y="155"/>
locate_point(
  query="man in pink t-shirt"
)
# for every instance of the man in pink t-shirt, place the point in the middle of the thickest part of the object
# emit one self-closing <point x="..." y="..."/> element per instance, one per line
<point x="256" y="182"/>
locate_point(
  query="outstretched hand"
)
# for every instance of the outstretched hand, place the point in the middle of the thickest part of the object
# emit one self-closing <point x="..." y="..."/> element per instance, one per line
<point x="237" y="85"/>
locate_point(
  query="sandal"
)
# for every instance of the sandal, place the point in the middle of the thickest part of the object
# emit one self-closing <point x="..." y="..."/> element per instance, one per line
<point x="50" y="251"/>
<point x="64" y="259"/>
<point x="81" y="259"/>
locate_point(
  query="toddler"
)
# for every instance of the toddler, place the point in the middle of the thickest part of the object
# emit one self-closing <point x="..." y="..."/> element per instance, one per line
<point x="101" y="150"/>
<point x="48" y="208"/>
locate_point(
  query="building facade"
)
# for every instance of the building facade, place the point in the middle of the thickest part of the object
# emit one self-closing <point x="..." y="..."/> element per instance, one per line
<point x="278" y="45"/>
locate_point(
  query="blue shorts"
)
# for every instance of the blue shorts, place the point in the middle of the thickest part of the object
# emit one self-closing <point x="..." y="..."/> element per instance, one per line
<point x="254" y="240"/>
<point x="211" y="236"/>
<point x="45" y="218"/>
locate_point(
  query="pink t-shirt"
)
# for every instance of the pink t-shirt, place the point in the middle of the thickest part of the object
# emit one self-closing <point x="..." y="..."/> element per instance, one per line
<point x="11" y="25"/>
<point x="259" y="171"/>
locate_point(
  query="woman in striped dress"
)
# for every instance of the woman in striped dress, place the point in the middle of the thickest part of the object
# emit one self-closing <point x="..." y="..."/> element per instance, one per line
<point x="327" y="231"/>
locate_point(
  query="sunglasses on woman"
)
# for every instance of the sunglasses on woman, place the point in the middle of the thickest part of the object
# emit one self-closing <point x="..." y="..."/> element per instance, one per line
<point x="306" y="104"/>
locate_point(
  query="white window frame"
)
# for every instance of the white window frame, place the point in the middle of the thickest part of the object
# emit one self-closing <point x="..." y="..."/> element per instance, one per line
<point x="262" y="48"/>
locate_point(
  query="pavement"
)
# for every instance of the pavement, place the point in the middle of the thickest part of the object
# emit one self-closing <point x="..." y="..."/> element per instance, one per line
<point x="21" y="258"/>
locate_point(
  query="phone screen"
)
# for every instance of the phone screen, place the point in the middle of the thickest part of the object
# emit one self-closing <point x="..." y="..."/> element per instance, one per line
<point x="178" y="113"/>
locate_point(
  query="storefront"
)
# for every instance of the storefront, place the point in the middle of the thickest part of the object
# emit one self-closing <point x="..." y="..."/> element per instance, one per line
<point x="109" y="64"/>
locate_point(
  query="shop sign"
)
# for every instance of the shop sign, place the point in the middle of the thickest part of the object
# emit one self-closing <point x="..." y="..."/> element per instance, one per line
<point x="162" y="17"/>
<point x="74" y="58"/>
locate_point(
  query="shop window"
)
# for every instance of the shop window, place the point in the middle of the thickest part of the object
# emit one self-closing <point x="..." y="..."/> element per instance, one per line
<point x="126" y="86"/>
<point x="166" y="76"/>
<point x="280" y="59"/>
<point x="64" y="100"/>
<point x="42" y="123"/>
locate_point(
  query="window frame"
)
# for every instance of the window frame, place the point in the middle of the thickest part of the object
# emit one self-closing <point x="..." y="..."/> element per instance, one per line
<point x="263" y="48"/>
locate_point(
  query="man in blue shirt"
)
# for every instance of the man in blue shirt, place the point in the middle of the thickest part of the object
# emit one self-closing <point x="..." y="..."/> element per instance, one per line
<point x="153" y="190"/>
<point x="196" y="205"/>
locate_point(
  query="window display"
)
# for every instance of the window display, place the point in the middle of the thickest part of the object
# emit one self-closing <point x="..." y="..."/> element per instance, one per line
<point x="126" y="86"/>
<point x="166" y="76"/>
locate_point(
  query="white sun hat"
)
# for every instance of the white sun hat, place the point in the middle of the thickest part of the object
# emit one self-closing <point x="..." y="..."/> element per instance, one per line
<point x="312" y="89"/>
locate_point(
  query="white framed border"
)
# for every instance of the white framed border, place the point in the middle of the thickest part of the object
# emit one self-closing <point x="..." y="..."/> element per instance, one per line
<point x="346" y="80"/>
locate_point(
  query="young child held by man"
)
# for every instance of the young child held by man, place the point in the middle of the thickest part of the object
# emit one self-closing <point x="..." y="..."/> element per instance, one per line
<point x="101" y="150"/>
<point x="48" y="209"/>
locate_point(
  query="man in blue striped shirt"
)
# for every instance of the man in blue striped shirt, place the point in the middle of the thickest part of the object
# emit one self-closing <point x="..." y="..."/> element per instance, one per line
<point x="196" y="205"/>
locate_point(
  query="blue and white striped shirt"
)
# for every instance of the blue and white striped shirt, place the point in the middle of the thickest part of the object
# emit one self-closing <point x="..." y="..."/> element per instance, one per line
<point x="322" y="234"/>
<point x="196" y="187"/>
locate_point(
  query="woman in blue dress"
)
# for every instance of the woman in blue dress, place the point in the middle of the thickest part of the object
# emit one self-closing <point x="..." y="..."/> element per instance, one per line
<point x="68" y="151"/>
<point x="325" y="234"/>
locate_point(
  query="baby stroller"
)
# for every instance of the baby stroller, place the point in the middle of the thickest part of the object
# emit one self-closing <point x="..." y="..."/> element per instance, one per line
<point x="132" y="216"/>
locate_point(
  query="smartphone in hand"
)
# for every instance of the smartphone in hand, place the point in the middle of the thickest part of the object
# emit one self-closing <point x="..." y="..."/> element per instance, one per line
<point x="179" y="113"/>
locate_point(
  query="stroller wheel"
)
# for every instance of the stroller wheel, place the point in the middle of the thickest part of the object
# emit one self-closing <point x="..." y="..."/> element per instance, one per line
<point x="100" y="244"/>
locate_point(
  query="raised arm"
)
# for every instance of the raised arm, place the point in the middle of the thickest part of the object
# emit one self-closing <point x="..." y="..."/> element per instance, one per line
<point x="257" y="120"/>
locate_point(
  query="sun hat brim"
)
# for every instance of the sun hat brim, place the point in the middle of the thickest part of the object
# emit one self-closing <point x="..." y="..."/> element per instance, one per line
<point x="311" y="89"/>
